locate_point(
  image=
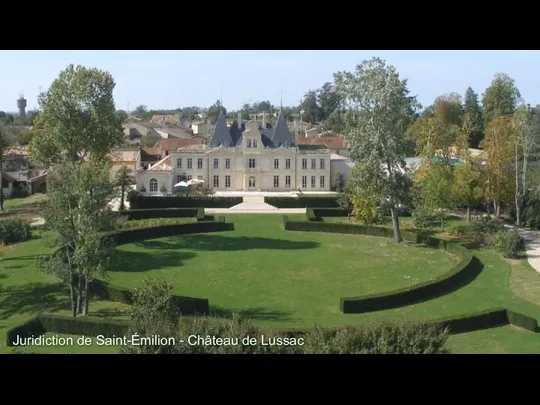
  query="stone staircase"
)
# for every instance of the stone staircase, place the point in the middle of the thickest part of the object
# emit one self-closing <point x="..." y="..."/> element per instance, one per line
<point x="253" y="203"/>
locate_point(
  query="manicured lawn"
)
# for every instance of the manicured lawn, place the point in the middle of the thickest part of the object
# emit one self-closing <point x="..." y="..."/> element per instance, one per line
<point x="284" y="279"/>
<point x="34" y="200"/>
<point x="502" y="340"/>
<point x="276" y="276"/>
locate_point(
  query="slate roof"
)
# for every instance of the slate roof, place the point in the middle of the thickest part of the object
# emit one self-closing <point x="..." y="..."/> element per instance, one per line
<point x="222" y="134"/>
<point x="281" y="135"/>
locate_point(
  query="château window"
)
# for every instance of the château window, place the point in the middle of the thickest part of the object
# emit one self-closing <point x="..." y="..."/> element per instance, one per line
<point x="227" y="163"/>
<point x="199" y="163"/>
<point x="189" y="177"/>
<point x="313" y="164"/>
<point x="254" y="143"/>
<point x="199" y="177"/>
<point x="249" y="143"/>
<point x="216" y="181"/>
<point x="322" y="164"/>
<point x="313" y="181"/>
<point x="179" y="178"/>
<point x="251" y="163"/>
<point x="287" y="164"/>
<point x="304" y="163"/>
<point x="287" y="181"/>
<point x="227" y="181"/>
<point x="321" y="184"/>
<point x="190" y="163"/>
<point x="216" y="163"/>
<point x="276" y="181"/>
<point x="153" y="186"/>
<point x="304" y="181"/>
<point x="179" y="163"/>
<point x="276" y="163"/>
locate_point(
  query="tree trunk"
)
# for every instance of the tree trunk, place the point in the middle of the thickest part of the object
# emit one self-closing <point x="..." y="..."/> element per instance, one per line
<point x="468" y="213"/>
<point x="72" y="294"/>
<point x="442" y="222"/>
<point x="518" y="212"/>
<point x="80" y="293"/>
<point x="86" y="296"/>
<point x="122" y="199"/>
<point x="497" y="208"/>
<point x="488" y="208"/>
<point x="395" y="226"/>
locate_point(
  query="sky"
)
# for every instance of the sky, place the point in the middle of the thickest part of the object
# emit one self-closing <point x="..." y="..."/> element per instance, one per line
<point x="171" y="79"/>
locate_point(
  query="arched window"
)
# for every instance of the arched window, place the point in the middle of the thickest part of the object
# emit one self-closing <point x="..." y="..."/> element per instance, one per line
<point x="153" y="186"/>
<point x="251" y="182"/>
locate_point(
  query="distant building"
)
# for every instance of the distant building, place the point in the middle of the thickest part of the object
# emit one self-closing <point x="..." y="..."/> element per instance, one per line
<point x="172" y="119"/>
<point x="253" y="158"/>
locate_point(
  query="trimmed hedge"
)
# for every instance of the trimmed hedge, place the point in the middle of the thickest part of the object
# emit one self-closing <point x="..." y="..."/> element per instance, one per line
<point x="477" y="321"/>
<point x="145" y="202"/>
<point x="303" y="202"/>
<point x="161" y="213"/>
<point x="447" y="282"/>
<point x="317" y="214"/>
<point x="32" y="327"/>
<point x="133" y="235"/>
<point x="83" y="326"/>
<point x="522" y="321"/>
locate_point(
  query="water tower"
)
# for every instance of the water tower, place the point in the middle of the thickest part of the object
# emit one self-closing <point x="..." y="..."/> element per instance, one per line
<point x="21" y="104"/>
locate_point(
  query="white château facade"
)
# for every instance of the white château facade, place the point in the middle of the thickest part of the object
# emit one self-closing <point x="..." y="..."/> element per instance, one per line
<point x="249" y="158"/>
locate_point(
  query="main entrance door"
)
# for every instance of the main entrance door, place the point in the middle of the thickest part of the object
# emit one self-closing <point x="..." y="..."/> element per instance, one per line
<point x="251" y="183"/>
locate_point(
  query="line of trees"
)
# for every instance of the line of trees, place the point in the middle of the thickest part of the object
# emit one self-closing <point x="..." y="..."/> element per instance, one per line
<point x="384" y="125"/>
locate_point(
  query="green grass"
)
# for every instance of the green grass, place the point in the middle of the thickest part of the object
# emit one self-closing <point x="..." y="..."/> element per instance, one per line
<point x="278" y="277"/>
<point x="35" y="200"/>
<point x="297" y="290"/>
<point x="502" y="340"/>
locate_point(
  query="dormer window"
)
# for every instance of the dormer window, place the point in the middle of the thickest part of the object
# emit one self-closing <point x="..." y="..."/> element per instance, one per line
<point x="254" y="143"/>
<point x="249" y="143"/>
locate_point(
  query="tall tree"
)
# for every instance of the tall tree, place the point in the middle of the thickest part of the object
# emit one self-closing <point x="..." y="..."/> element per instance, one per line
<point x="499" y="144"/>
<point x="328" y="100"/>
<point x="434" y="138"/>
<point x="77" y="212"/>
<point x="123" y="179"/>
<point x="500" y="98"/>
<point x="121" y="115"/>
<point x="310" y="107"/>
<point x="4" y="143"/>
<point x="141" y="111"/>
<point x="448" y="109"/>
<point x="526" y="143"/>
<point x="77" y="118"/>
<point x="379" y="111"/>
<point x="467" y="186"/>
<point x="473" y="123"/>
<point x="213" y="112"/>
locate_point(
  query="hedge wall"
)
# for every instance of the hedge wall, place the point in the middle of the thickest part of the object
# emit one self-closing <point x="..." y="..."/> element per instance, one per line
<point x="133" y="235"/>
<point x="83" y="326"/>
<point x="161" y="213"/>
<point x="303" y="202"/>
<point x="447" y="282"/>
<point x="522" y="321"/>
<point x="317" y="214"/>
<point x="145" y="202"/>
<point x="32" y="327"/>
<point x="477" y="321"/>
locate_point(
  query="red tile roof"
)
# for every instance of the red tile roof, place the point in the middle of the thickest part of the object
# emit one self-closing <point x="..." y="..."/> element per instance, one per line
<point x="175" y="143"/>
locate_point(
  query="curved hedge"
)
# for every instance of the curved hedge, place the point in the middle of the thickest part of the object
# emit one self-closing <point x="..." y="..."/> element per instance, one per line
<point x="159" y="202"/>
<point x="462" y="272"/>
<point x="44" y="323"/>
<point x="186" y="305"/>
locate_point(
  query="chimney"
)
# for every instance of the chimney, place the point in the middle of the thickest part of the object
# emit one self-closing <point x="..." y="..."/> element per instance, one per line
<point x="264" y="120"/>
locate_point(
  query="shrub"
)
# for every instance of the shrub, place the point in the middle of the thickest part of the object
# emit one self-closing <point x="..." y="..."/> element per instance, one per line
<point x="423" y="217"/>
<point x="145" y="202"/>
<point x="378" y="338"/>
<point x="153" y="313"/>
<point x="14" y="231"/>
<point x="236" y="330"/>
<point x="507" y="242"/>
